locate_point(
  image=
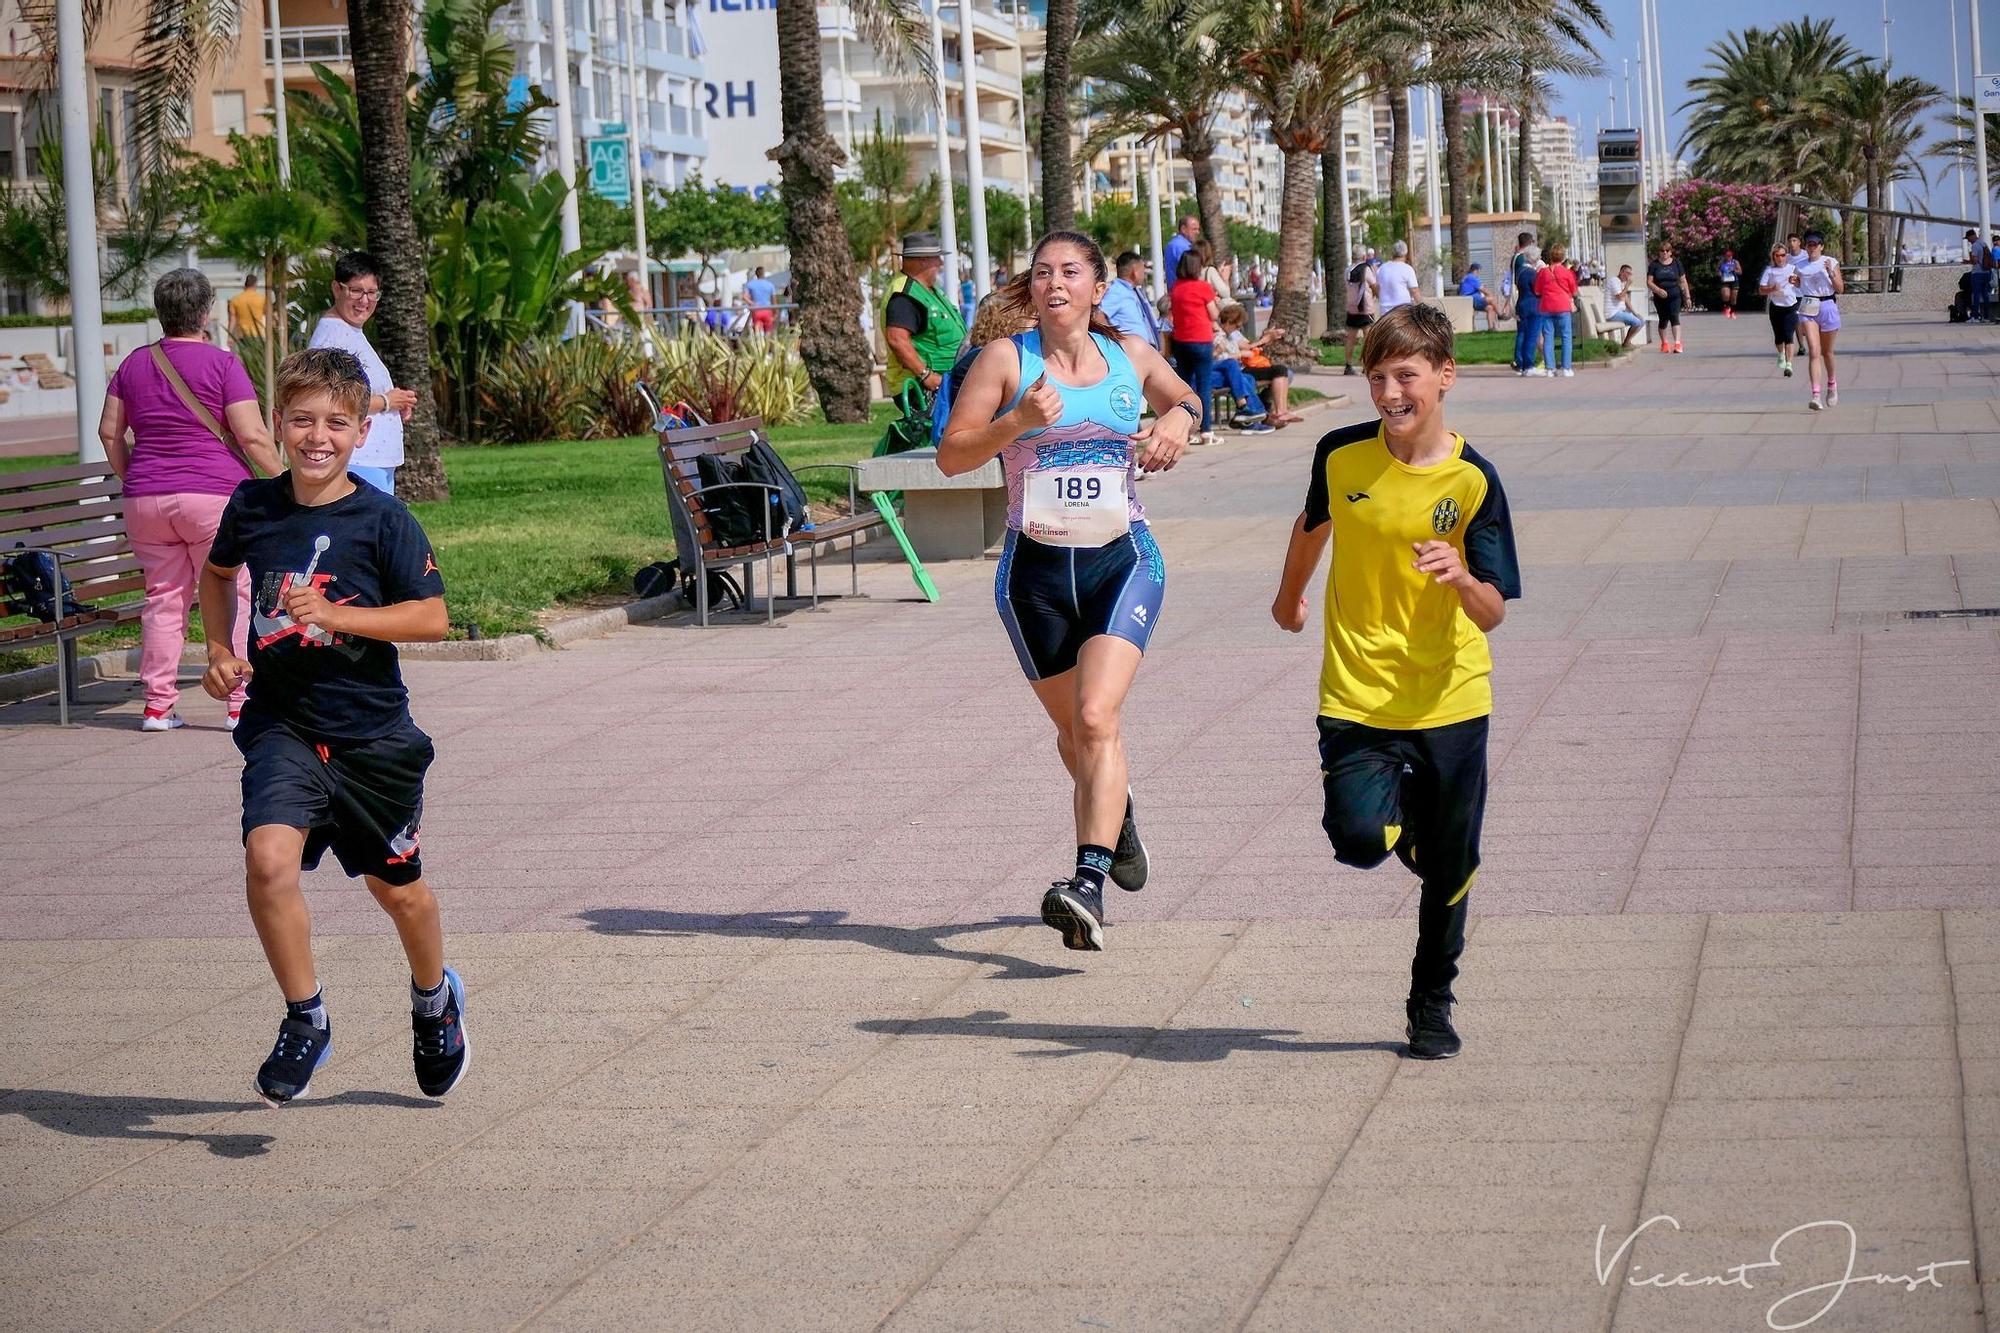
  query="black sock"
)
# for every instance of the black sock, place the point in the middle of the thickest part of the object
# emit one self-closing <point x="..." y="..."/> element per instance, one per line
<point x="311" y="1011"/>
<point x="1093" y="863"/>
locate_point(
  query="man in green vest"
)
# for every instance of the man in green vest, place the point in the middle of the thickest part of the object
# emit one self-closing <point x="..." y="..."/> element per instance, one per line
<point x="923" y="329"/>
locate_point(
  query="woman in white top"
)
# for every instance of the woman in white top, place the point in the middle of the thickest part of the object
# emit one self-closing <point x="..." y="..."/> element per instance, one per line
<point x="1783" y="304"/>
<point x="357" y="291"/>
<point x="1819" y="284"/>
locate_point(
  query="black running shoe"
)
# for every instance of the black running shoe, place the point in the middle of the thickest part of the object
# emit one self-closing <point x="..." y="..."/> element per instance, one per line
<point x="1076" y="908"/>
<point x="287" y="1075"/>
<point x="1431" y="1034"/>
<point x="1128" y="863"/>
<point x="442" y="1052"/>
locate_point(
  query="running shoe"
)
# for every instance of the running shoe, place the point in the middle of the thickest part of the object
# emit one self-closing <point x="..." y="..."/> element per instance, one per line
<point x="1814" y="404"/>
<point x="1832" y="394"/>
<point x="287" y="1074"/>
<point x="1128" y="863"/>
<point x="1569" y="374"/>
<point x="1347" y="368"/>
<point x="1260" y="428"/>
<point x="1786" y="366"/>
<point x="442" y="1052"/>
<point x="1431" y="1034"/>
<point x="1250" y="418"/>
<point x="1076" y="909"/>
<point x="153" y="721"/>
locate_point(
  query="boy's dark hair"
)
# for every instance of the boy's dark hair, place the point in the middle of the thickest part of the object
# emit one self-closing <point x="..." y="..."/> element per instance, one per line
<point x="1416" y="329"/>
<point x="1231" y="317"/>
<point x="1523" y="238"/>
<point x="328" y="370"/>
<point x="356" y="264"/>
<point x="1125" y="261"/>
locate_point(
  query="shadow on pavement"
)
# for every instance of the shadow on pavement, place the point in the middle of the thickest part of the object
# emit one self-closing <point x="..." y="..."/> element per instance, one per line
<point x="1172" y="1045"/>
<point x="913" y="941"/>
<point x="97" y="1116"/>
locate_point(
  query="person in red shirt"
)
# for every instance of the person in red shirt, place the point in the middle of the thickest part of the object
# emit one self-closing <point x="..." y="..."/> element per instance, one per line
<point x="1555" y="292"/>
<point x="1195" y="308"/>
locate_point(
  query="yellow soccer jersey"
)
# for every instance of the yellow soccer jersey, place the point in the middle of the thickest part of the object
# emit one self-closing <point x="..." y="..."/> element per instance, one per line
<point x="1400" y="651"/>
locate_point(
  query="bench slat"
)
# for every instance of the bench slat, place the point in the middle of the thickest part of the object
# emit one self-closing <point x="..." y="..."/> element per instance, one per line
<point x="51" y="496"/>
<point x="54" y="475"/>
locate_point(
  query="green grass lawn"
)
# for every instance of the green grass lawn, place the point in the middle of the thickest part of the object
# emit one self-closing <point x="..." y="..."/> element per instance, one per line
<point x="1496" y="348"/>
<point x="535" y="526"/>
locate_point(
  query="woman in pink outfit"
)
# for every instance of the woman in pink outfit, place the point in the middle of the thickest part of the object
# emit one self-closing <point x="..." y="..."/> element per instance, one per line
<point x="179" y="470"/>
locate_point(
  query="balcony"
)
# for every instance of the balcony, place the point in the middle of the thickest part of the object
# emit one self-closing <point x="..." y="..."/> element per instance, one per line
<point x="324" y="43"/>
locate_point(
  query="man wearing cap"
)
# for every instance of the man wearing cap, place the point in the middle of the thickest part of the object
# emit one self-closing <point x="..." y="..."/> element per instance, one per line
<point x="922" y="328"/>
<point x="1980" y="256"/>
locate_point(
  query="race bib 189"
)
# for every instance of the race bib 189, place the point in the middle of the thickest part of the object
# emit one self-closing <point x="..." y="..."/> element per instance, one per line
<point x="1076" y="506"/>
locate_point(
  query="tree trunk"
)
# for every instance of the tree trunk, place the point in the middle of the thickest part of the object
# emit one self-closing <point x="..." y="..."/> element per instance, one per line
<point x="1335" y="245"/>
<point x="1523" y="159"/>
<point x="379" y="46"/>
<point x="829" y="296"/>
<point x="1458" y="179"/>
<point x="1291" y="309"/>
<point x="1200" y="150"/>
<point x="1058" y="167"/>
<point x="1875" y="230"/>
<point x="1401" y="215"/>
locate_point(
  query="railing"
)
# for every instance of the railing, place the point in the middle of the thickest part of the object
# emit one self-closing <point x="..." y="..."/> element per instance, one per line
<point x="322" y="42"/>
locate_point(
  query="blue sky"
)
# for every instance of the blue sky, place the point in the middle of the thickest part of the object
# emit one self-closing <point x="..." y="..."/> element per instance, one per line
<point x="1919" y="42"/>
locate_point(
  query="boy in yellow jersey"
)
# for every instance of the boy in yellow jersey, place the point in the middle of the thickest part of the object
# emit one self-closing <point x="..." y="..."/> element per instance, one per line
<point x="1423" y="562"/>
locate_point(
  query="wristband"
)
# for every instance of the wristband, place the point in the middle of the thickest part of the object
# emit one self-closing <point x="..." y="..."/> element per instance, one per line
<point x="1194" y="413"/>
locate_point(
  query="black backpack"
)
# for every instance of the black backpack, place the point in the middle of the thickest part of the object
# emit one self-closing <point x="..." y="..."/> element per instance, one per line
<point x="762" y="463"/>
<point x="737" y="517"/>
<point x="33" y="582"/>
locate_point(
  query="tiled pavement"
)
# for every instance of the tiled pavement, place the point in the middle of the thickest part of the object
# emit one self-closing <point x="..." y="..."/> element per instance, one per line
<point x="766" y="1037"/>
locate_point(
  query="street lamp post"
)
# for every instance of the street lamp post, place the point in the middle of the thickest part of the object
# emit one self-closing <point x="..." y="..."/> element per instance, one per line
<point x="86" y="317"/>
<point x="1957" y="95"/>
<point x="278" y="98"/>
<point x="572" y="225"/>
<point x="1979" y="132"/>
<point x="1433" y="200"/>
<point x="975" y="154"/>
<point x="636" y="171"/>
<point x="948" y="208"/>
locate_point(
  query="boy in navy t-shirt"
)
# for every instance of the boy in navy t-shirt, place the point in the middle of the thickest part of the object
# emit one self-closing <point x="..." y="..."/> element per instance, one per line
<point x="340" y="573"/>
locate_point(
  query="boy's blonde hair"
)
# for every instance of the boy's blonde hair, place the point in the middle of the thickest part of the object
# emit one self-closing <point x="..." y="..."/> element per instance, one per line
<point x="1232" y="317"/>
<point x="1416" y="329"/>
<point x="998" y="315"/>
<point x="327" y="370"/>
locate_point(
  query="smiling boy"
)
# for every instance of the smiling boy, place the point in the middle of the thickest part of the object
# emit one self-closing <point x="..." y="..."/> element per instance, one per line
<point x="1423" y="562"/>
<point x="341" y="573"/>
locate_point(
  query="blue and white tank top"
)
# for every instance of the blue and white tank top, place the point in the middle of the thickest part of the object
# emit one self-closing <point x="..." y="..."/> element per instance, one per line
<point x="1094" y="432"/>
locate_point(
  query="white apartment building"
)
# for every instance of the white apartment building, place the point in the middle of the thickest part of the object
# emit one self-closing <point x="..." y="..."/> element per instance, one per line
<point x="673" y="103"/>
<point x="742" y="92"/>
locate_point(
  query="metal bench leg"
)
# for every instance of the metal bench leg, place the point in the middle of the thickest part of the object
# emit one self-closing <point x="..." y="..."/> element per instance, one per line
<point x="854" y="562"/>
<point x="812" y="558"/>
<point x="770" y="588"/>
<point x="701" y="593"/>
<point x="62" y="682"/>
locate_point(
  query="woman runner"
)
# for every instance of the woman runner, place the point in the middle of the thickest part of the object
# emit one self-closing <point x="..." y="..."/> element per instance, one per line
<point x="1081" y="581"/>
<point x="1667" y="281"/>
<point x="1820" y="284"/>
<point x="1783" y="299"/>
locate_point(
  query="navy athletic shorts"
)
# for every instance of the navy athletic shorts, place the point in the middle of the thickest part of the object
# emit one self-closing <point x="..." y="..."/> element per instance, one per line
<point x="1053" y="599"/>
<point x="361" y="799"/>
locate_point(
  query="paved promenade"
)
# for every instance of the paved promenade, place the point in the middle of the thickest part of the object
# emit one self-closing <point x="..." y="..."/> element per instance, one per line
<point x="766" y="1036"/>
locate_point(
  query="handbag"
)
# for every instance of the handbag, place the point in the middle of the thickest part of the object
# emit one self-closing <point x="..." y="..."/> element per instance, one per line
<point x="193" y="404"/>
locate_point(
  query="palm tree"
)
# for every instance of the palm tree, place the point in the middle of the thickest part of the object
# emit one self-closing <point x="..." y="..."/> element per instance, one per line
<point x="1160" y="75"/>
<point x="1471" y="52"/>
<point x="1297" y="61"/>
<point x="1869" y="112"/>
<point x="379" y="46"/>
<point x="829" y="294"/>
<point x="1058" y="84"/>
<point x="1964" y="148"/>
<point x="1750" y="110"/>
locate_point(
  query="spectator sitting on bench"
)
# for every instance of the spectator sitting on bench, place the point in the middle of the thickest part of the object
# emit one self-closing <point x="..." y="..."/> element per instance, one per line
<point x="1230" y="344"/>
<point x="1257" y="368"/>
<point x="1618" y="304"/>
<point x="1473" y="285"/>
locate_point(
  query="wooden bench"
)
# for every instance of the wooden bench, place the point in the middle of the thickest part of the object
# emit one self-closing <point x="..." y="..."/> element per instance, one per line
<point x="679" y="448"/>
<point x="76" y="513"/>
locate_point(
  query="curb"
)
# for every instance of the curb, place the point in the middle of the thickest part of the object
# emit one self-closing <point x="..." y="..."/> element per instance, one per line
<point x="123" y="663"/>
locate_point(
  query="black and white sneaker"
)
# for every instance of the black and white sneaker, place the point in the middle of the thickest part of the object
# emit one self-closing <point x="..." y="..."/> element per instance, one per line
<point x="287" y="1074"/>
<point x="1128" y="863"/>
<point x="1432" y="1037"/>
<point x="442" y="1054"/>
<point x="1075" y="907"/>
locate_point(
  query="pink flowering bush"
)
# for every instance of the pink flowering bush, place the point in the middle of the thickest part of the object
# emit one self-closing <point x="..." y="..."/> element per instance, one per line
<point x="1704" y="218"/>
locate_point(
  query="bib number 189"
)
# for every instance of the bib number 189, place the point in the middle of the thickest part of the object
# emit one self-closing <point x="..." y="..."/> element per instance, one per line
<point x="1079" y="488"/>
